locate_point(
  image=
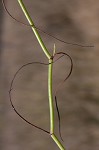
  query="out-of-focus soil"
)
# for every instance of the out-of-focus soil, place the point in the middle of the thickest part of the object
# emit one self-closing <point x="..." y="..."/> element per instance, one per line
<point x="74" y="21"/>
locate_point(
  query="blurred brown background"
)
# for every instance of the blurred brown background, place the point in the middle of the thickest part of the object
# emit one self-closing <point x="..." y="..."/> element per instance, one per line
<point x="75" y="21"/>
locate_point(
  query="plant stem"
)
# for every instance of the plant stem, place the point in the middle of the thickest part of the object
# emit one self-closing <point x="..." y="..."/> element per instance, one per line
<point x="51" y="96"/>
<point x="34" y="29"/>
<point x="51" y="106"/>
<point x="61" y="147"/>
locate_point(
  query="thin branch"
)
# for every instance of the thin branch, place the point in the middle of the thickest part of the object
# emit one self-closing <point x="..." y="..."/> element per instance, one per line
<point x="32" y="25"/>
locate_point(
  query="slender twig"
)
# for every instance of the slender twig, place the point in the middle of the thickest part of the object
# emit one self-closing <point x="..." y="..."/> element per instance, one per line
<point x="34" y="29"/>
<point x="11" y="89"/>
<point x="51" y="96"/>
<point x="54" y="137"/>
<point x="49" y="74"/>
<point x="29" y="25"/>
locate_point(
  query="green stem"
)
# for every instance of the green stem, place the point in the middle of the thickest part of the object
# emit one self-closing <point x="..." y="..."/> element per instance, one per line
<point x="51" y="106"/>
<point x="51" y="96"/>
<point x="34" y="29"/>
<point x="57" y="142"/>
